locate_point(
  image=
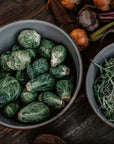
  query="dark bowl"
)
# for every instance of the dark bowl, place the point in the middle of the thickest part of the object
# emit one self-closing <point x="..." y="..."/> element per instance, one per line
<point x="105" y="53"/>
<point x="8" y="35"/>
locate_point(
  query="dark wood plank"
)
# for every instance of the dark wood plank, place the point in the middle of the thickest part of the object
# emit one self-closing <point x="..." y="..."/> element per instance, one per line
<point x="79" y="124"/>
<point x="65" y="19"/>
<point x="12" y="10"/>
<point x="48" y="139"/>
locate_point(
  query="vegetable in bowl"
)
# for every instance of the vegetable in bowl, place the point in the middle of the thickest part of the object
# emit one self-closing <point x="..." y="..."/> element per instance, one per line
<point x="29" y="39"/>
<point x="51" y="100"/>
<point x="58" y="55"/>
<point x="27" y="97"/>
<point x="64" y="89"/>
<point x="4" y="59"/>
<point x="11" y="109"/>
<point x="10" y="90"/>
<point x="22" y="77"/>
<point x="94" y="71"/>
<point x="34" y="112"/>
<point x="104" y="88"/>
<point x="39" y="66"/>
<point x="45" y="48"/>
<point x="43" y="82"/>
<point x="37" y="75"/>
<point x="60" y="71"/>
<point x="18" y="60"/>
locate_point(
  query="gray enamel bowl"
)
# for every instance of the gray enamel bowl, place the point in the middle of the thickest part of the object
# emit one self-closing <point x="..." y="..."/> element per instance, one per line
<point x="8" y="35"/>
<point x="105" y="53"/>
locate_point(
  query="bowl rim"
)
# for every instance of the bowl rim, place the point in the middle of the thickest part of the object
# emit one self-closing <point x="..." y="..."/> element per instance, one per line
<point x="86" y="83"/>
<point x="25" y="127"/>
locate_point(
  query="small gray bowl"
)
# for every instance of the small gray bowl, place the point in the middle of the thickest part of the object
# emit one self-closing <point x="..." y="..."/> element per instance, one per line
<point x="8" y="36"/>
<point x="105" y="53"/>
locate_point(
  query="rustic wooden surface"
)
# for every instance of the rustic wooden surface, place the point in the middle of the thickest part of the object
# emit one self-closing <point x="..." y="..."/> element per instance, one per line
<point x="48" y="139"/>
<point x="79" y="125"/>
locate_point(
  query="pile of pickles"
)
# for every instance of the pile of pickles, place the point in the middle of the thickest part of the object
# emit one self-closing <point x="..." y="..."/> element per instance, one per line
<point x="35" y="81"/>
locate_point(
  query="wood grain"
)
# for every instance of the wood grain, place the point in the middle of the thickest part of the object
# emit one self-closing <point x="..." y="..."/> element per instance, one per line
<point x="79" y="125"/>
<point x="11" y="10"/>
<point x="48" y="139"/>
<point x="65" y="18"/>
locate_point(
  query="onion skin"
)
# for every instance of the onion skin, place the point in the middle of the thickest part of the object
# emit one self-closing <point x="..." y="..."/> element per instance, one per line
<point x="103" y="5"/>
<point x="80" y="38"/>
<point x="70" y="4"/>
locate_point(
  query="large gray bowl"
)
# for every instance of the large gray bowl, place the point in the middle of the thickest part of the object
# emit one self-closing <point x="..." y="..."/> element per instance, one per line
<point x="105" y="53"/>
<point x="8" y="35"/>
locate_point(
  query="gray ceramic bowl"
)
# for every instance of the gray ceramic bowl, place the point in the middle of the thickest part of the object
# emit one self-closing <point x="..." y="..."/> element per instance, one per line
<point x="8" y="35"/>
<point x="105" y="53"/>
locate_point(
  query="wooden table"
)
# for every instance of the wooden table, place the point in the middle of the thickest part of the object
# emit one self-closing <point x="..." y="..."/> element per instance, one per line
<point x="79" y="125"/>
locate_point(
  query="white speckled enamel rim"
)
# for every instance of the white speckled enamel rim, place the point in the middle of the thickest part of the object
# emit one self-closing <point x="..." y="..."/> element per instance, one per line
<point x="78" y="83"/>
<point x="106" y="52"/>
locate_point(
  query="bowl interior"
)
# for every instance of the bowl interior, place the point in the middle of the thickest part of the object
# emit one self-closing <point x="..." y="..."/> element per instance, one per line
<point x="8" y="36"/>
<point x="106" y="53"/>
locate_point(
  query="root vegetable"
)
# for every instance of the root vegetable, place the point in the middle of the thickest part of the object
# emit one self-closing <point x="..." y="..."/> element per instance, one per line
<point x="103" y="5"/>
<point x="80" y="38"/>
<point x="70" y="4"/>
<point x="87" y="19"/>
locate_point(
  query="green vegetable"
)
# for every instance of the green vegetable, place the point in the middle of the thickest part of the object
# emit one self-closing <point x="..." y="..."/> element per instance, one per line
<point x="60" y="71"/>
<point x="34" y="112"/>
<point x="32" y="53"/>
<point x="19" y="60"/>
<point x="9" y="90"/>
<point x="43" y="82"/>
<point x="16" y="47"/>
<point x="27" y="79"/>
<point x="4" y="74"/>
<point x="22" y="77"/>
<point x="51" y="100"/>
<point x="45" y="48"/>
<point x="64" y="89"/>
<point x="29" y="39"/>
<point x="100" y="32"/>
<point x="104" y="89"/>
<point x="38" y="67"/>
<point x="10" y="110"/>
<point x="70" y="78"/>
<point x="58" y="55"/>
<point x="4" y="59"/>
<point x="28" y="97"/>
